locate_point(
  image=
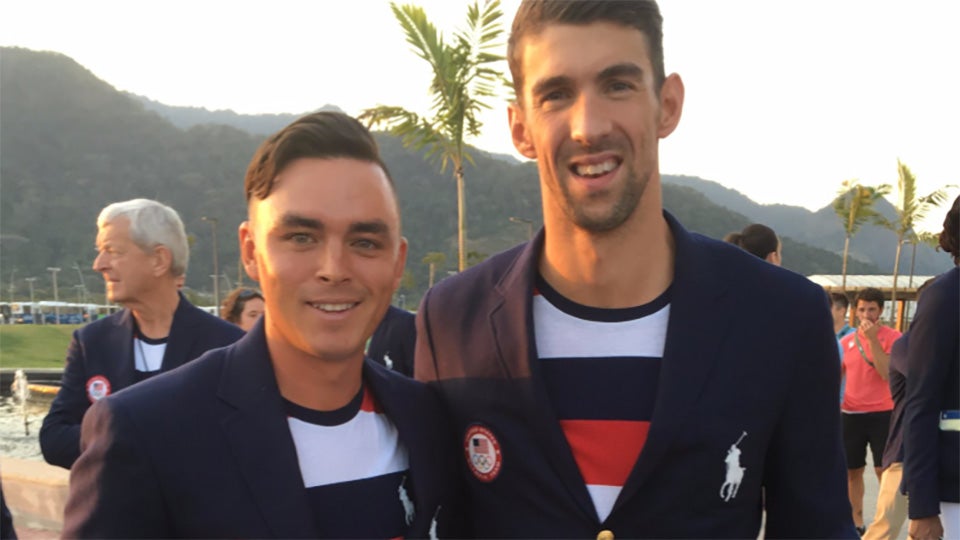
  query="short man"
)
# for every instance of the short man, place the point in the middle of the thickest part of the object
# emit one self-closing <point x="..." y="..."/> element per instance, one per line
<point x="607" y="376"/>
<point x="867" y="402"/>
<point x="288" y="433"/>
<point x="931" y="417"/>
<point x="143" y="255"/>
<point x="839" y="305"/>
<point x="394" y="341"/>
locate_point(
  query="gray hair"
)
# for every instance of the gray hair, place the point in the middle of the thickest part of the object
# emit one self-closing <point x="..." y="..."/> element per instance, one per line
<point x="152" y="224"/>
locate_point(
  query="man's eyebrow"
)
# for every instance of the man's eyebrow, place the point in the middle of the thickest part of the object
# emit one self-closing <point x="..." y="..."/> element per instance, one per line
<point x="300" y="222"/>
<point x="376" y="226"/>
<point x="545" y="85"/>
<point x="626" y="69"/>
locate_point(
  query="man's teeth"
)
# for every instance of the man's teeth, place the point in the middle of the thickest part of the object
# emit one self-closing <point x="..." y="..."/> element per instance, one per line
<point x="333" y="307"/>
<point x="596" y="169"/>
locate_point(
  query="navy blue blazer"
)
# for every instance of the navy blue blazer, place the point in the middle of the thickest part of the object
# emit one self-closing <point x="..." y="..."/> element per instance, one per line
<point x="893" y="450"/>
<point x="396" y="337"/>
<point x="931" y="470"/>
<point x="101" y="355"/>
<point x="205" y="451"/>
<point x="750" y="352"/>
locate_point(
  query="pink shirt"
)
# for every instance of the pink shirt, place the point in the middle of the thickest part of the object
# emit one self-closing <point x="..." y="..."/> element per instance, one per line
<point x="865" y="390"/>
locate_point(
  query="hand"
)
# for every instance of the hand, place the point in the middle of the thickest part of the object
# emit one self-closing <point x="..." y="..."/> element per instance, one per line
<point x="928" y="528"/>
<point x="869" y="329"/>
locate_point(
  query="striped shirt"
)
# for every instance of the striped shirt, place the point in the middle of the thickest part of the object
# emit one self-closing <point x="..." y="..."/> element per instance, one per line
<point x="354" y="469"/>
<point x="601" y="368"/>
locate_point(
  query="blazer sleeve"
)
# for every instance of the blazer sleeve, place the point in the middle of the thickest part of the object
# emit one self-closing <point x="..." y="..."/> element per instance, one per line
<point x="114" y="492"/>
<point x="60" y="431"/>
<point x="931" y="348"/>
<point x="805" y="477"/>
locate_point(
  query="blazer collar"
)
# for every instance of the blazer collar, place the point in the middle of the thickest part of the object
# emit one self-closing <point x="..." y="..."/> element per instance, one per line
<point x="259" y="436"/>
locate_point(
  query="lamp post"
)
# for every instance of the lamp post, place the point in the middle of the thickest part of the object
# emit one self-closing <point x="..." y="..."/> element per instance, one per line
<point x="83" y="282"/>
<point x="216" y="265"/>
<point x="33" y="307"/>
<point x="56" y="296"/>
<point x="528" y="222"/>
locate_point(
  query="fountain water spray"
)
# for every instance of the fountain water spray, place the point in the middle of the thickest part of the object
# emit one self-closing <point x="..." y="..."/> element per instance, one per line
<point x="21" y="391"/>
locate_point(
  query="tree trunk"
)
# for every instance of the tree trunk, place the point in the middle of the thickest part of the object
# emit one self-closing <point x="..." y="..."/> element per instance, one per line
<point x="461" y="221"/>
<point x="913" y="261"/>
<point x="433" y="268"/>
<point x="846" y="250"/>
<point x="893" y="291"/>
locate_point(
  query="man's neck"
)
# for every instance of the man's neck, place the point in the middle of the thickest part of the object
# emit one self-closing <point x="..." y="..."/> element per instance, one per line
<point x="155" y="315"/>
<point x="312" y="382"/>
<point x="838" y="326"/>
<point x="624" y="268"/>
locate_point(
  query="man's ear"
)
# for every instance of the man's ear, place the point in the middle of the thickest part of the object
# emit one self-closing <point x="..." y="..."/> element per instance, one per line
<point x="248" y="250"/>
<point x="401" y="263"/>
<point x="518" y="131"/>
<point x="671" y="105"/>
<point x="163" y="260"/>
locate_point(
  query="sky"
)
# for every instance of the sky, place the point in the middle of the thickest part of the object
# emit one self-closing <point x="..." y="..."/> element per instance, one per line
<point x="784" y="100"/>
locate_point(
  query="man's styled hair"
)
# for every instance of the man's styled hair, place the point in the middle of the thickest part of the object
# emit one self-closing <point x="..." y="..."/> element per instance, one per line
<point x="152" y="224"/>
<point x="839" y="299"/>
<point x="871" y="294"/>
<point x="757" y="239"/>
<point x="534" y="15"/>
<point x="324" y="134"/>
<point x="951" y="228"/>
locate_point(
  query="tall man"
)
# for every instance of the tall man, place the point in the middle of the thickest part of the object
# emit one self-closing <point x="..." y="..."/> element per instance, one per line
<point x="608" y="377"/>
<point x="288" y="433"/>
<point x="143" y="256"/>
<point x="867" y="403"/>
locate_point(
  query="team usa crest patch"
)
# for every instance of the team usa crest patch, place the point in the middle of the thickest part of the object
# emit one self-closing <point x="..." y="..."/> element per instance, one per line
<point x="482" y="451"/>
<point x="98" y="387"/>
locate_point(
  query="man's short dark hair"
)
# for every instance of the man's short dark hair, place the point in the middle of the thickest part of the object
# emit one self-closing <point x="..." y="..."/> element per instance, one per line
<point x="870" y="294"/>
<point x="534" y="15"/>
<point x="324" y="134"/>
<point x="839" y="299"/>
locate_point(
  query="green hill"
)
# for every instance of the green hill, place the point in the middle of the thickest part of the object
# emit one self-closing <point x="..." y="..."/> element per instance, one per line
<point x="70" y="144"/>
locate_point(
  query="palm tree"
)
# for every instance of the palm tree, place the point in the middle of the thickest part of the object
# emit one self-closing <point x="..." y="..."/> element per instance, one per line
<point x="463" y="79"/>
<point x="433" y="260"/>
<point x="854" y="206"/>
<point x="910" y="210"/>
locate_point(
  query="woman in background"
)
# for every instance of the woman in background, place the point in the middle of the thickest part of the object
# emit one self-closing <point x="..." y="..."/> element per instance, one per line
<point x="759" y="240"/>
<point x="242" y="307"/>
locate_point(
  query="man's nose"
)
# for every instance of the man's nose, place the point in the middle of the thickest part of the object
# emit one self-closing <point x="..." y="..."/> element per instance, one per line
<point x="589" y="122"/>
<point x="333" y="266"/>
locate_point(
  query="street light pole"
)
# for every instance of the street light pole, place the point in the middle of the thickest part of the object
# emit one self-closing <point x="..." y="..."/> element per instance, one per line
<point x="528" y="222"/>
<point x="33" y="307"/>
<point x="56" y="296"/>
<point x="216" y="265"/>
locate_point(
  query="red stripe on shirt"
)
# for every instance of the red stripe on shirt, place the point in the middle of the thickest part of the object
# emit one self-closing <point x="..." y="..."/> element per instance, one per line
<point x="370" y="403"/>
<point x="605" y="450"/>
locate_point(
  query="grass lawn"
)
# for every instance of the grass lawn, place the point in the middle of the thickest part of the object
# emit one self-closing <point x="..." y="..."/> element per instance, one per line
<point x="34" y="346"/>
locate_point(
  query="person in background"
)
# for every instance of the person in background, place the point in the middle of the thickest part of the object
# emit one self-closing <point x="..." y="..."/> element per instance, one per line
<point x="839" y="306"/>
<point x="243" y="307"/>
<point x="393" y="343"/>
<point x="931" y="417"/>
<point x="142" y="255"/>
<point x="867" y="404"/>
<point x="759" y="240"/>
<point x="619" y="376"/>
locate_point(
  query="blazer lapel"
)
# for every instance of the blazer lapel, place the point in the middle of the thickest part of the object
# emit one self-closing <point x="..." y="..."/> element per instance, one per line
<point x="182" y="336"/>
<point x="122" y="347"/>
<point x="260" y="439"/>
<point x="694" y="335"/>
<point x="511" y="319"/>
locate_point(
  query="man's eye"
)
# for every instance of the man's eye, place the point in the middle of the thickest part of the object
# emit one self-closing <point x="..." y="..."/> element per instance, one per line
<point x="366" y="243"/>
<point x="300" y="238"/>
<point x="620" y="86"/>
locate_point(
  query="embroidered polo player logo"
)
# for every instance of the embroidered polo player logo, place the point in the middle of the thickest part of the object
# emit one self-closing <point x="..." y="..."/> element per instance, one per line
<point x="387" y="360"/>
<point x="734" y="472"/>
